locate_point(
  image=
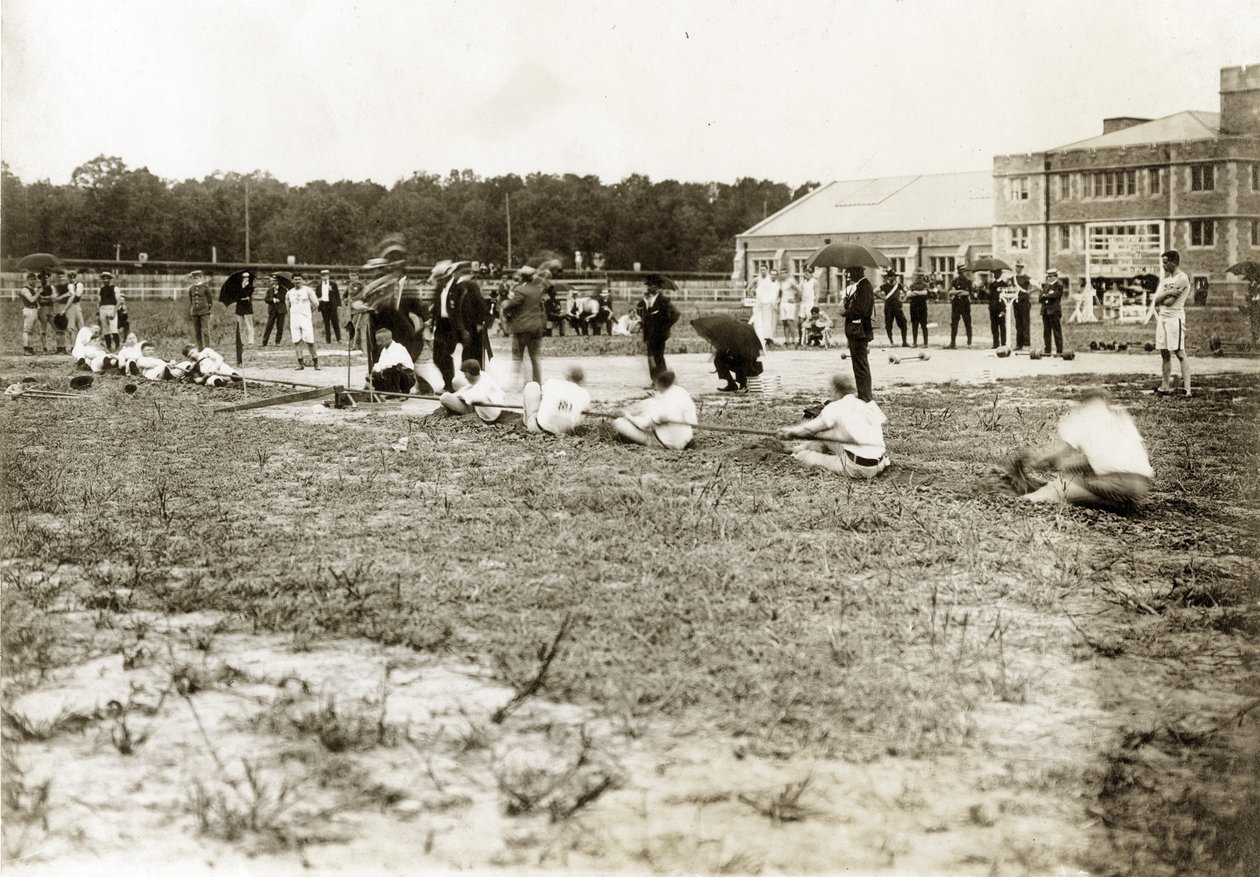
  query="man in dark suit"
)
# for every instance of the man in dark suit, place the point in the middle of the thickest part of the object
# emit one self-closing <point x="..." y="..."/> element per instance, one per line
<point x="329" y="301"/>
<point x="960" y="305"/>
<point x="658" y="316"/>
<point x="1051" y="299"/>
<point x="1023" y="307"/>
<point x="459" y="317"/>
<point x="859" y="307"/>
<point x="997" y="308"/>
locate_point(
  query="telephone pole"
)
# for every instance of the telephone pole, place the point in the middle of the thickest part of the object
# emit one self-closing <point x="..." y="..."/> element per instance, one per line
<point x="507" y="205"/>
<point x="246" y="220"/>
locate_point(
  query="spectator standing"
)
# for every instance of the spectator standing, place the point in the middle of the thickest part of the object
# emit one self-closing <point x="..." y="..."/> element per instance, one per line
<point x="329" y="301"/>
<point x="110" y="299"/>
<point x="918" y="296"/>
<point x="29" y="295"/>
<point x="809" y="298"/>
<point x="200" y="306"/>
<point x="525" y="319"/>
<point x="1051" y="300"/>
<point x="1023" y="307"/>
<point x="245" y="309"/>
<point x="74" y="310"/>
<point x="276" y="311"/>
<point x="997" y="308"/>
<point x="892" y="291"/>
<point x="789" y="308"/>
<point x="960" y="306"/>
<point x="859" y="307"/>
<point x="765" y="296"/>
<point x="1170" y="321"/>
<point x="658" y="316"/>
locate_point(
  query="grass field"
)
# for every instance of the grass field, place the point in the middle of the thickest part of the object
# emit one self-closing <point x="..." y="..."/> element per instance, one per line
<point x="292" y="636"/>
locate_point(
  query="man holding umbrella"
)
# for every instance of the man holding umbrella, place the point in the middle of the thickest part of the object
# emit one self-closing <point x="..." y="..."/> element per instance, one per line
<point x="859" y="306"/>
<point x="658" y="316"/>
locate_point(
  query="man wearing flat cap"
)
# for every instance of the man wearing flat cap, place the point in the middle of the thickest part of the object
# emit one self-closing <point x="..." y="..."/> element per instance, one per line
<point x="200" y="304"/>
<point x="459" y="317"/>
<point x="1051" y="299"/>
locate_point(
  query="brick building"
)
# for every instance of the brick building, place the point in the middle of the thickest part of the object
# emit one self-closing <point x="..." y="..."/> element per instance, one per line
<point x="1105" y="207"/>
<point x="937" y="221"/>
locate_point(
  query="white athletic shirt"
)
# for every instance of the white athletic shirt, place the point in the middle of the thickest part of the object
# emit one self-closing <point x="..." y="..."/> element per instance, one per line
<point x="809" y="294"/>
<point x="485" y="390"/>
<point x="767" y="290"/>
<point x="394" y="354"/>
<point x="672" y="405"/>
<point x="83" y="346"/>
<point x="299" y="300"/>
<point x="858" y="427"/>
<point x="1107" y="437"/>
<point x="562" y="406"/>
<point x="1180" y="284"/>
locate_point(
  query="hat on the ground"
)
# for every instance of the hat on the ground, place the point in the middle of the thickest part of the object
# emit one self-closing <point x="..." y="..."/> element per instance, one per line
<point x="80" y="382"/>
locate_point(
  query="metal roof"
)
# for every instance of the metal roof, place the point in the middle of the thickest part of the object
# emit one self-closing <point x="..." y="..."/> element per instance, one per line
<point x="1187" y="125"/>
<point x="915" y="203"/>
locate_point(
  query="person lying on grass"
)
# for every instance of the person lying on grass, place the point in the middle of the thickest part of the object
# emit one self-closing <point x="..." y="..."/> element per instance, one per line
<point x="663" y="420"/>
<point x="481" y="388"/>
<point x="209" y="368"/>
<point x="394" y="370"/>
<point x="846" y="437"/>
<point x="556" y="406"/>
<point x="1099" y="460"/>
<point x="87" y="354"/>
<point x="152" y="366"/>
<point x="128" y="354"/>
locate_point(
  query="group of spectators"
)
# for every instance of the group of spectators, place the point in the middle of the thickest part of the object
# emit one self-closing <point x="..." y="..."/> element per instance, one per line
<point x="52" y="309"/>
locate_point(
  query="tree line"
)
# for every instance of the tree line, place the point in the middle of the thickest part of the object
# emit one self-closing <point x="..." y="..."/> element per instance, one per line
<point x="666" y="225"/>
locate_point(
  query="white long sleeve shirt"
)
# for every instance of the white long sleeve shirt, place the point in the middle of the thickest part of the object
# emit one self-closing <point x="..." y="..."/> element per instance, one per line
<point x="394" y="354"/>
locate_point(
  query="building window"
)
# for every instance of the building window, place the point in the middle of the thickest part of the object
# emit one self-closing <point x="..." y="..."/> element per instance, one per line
<point x="899" y="265"/>
<point x="1065" y="237"/>
<point x="943" y="267"/>
<point x="1019" y="189"/>
<point x="798" y="269"/>
<point x="768" y="264"/>
<point x="1255" y="232"/>
<point x="1202" y="177"/>
<point x="1064" y="191"/>
<point x="1202" y="233"/>
<point x="1019" y="237"/>
<point x="1255" y="177"/>
<point x="1156" y="181"/>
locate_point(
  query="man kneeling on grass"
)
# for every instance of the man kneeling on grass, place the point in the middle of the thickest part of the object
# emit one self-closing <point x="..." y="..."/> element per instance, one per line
<point x="1099" y="460"/>
<point x="556" y="406"/>
<point x="481" y="394"/>
<point x="846" y="437"/>
<point x="663" y="420"/>
<point x="394" y="371"/>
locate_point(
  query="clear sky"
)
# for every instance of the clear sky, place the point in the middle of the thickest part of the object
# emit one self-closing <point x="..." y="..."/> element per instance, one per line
<point x="697" y="90"/>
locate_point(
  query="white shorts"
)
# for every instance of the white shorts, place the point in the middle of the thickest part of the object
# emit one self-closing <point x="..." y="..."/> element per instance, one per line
<point x="1170" y="333"/>
<point x="300" y="329"/>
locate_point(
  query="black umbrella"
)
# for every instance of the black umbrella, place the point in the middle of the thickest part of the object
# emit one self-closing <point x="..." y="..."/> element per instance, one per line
<point x="283" y="280"/>
<point x="661" y="281"/>
<point x="988" y="263"/>
<point x="234" y="288"/>
<point x="846" y="255"/>
<point x="728" y="333"/>
<point x="1248" y="269"/>
<point x="39" y="262"/>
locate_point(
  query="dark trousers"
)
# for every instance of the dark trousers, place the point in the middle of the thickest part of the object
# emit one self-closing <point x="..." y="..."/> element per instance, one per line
<point x="475" y="348"/>
<point x="918" y="319"/>
<point x="277" y="320"/>
<point x="655" y="356"/>
<point x="444" y="342"/>
<point x="732" y="369"/>
<point x="201" y="329"/>
<point x="960" y="309"/>
<point x="1052" y="326"/>
<point x="1023" y="324"/>
<point x="895" y="315"/>
<point x="861" y="367"/>
<point x="997" y="325"/>
<point x="331" y="326"/>
<point x="395" y="379"/>
<point x="556" y="324"/>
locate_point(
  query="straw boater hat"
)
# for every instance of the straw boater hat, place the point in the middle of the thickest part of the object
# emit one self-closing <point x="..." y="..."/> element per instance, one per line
<point x="1052" y="272"/>
<point x="109" y="275"/>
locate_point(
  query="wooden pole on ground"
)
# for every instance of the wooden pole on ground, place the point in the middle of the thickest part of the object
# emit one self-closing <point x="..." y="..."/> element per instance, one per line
<point x="303" y="396"/>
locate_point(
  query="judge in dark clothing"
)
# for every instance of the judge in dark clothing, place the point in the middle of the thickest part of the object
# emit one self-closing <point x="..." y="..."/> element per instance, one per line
<point x="329" y="301"/>
<point x="997" y="308"/>
<point x="892" y="293"/>
<point x="859" y="307"/>
<point x="960" y="306"/>
<point x="1051" y="299"/>
<point x="918" y="297"/>
<point x="658" y="316"/>
<point x="459" y="317"/>
<point x="277" y="311"/>
<point x="1023" y="308"/>
<point x="734" y="368"/>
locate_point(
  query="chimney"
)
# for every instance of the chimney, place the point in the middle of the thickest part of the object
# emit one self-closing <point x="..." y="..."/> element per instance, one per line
<point x="1240" y="100"/>
<point x="1119" y="123"/>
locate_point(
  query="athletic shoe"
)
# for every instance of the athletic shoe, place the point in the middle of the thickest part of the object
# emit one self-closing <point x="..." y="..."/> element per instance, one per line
<point x="301" y="365"/>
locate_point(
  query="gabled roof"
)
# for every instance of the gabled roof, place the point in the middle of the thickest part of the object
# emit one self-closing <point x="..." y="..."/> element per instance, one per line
<point x="915" y="203"/>
<point x="1187" y="125"/>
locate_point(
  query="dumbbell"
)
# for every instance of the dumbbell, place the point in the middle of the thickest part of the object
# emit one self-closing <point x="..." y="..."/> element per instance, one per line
<point x="1003" y="352"/>
<point x="1034" y="354"/>
<point x="1149" y="346"/>
<point x="1093" y="345"/>
<point x="894" y="358"/>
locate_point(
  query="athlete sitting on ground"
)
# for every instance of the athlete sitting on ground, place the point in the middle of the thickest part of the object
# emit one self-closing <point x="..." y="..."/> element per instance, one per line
<point x="846" y="437"/>
<point x="481" y="388"/>
<point x="557" y="405"/>
<point x="1099" y="460"/>
<point x="663" y="420"/>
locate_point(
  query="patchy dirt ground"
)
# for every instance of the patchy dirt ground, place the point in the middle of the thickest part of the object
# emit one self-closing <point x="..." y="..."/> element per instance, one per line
<point x="267" y="643"/>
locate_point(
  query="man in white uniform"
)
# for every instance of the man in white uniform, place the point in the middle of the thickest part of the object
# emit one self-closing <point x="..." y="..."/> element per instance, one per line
<point x="766" y="306"/>
<point x="664" y="420"/>
<point x="301" y="299"/>
<point x="557" y="405"/>
<point x="809" y="296"/>
<point x="481" y="388"/>
<point x="1099" y="460"/>
<point x="86" y="352"/>
<point x="846" y="437"/>
<point x="1170" y="321"/>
